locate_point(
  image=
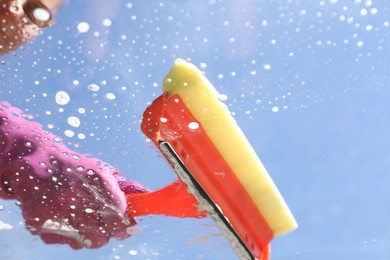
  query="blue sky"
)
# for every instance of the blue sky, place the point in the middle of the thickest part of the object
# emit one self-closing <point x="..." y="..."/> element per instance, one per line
<point x="307" y="81"/>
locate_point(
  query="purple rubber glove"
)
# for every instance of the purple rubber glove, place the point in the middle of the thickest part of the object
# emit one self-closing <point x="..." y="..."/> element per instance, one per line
<point x="65" y="197"/>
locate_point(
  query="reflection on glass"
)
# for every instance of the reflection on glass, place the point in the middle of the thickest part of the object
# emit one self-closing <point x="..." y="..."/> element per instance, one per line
<point x="21" y="20"/>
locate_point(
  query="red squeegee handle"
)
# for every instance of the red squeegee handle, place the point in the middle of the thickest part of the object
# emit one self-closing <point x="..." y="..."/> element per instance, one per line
<point x="168" y="120"/>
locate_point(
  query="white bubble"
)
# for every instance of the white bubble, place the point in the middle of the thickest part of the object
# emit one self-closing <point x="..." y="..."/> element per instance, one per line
<point x="267" y="66"/>
<point x="4" y="225"/>
<point x="369" y="27"/>
<point x="88" y="210"/>
<point x="133" y="252"/>
<point x="81" y="136"/>
<point x="74" y="121"/>
<point x="81" y="110"/>
<point x="203" y="65"/>
<point x="222" y="97"/>
<point x="62" y="98"/>
<point x="110" y="96"/>
<point x="94" y="87"/>
<point x="69" y="133"/>
<point x="275" y="109"/>
<point x="107" y="22"/>
<point x="83" y="27"/>
<point x="373" y="11"/>
<point x="193" y="125"/>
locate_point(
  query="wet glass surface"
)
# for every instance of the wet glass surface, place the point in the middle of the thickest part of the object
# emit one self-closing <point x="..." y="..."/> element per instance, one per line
<point x="307" y="81"/>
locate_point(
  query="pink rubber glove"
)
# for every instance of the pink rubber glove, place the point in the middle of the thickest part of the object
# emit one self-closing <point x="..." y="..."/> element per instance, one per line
<point x="65" y="197"/>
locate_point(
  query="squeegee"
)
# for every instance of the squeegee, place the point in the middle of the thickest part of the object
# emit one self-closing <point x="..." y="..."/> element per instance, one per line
<point x="197" y="134"/>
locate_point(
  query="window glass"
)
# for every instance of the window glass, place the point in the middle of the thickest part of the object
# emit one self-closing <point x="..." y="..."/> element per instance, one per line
<point x="307" y="81"/>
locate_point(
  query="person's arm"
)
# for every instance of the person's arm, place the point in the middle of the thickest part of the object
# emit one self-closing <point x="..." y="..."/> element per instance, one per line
<point x="69" y="198"/>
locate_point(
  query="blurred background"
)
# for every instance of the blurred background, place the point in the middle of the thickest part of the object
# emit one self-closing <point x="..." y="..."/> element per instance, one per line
<point x="308" y="82"/>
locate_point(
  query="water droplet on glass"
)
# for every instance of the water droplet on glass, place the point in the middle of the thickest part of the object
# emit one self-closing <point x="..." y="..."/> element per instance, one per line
<point x="133" y="252"/>
<point x="62" y="98"/>
<point x="110" y="96"/>
<point x="93" y="87"/>
<point x="107" y="22"/>
<point x="5" y="225"/>
<point x="83" y="27"/>
<point x="74" y="121"/>
<point x="133" y="230"/>
<point x="57" y="139"/>
<point x="222" y="97"/>
<point x="193" y="125"/>
<point x="81" y="110"/>
<point x="90" y="172"/>
<point x="69" y="133"/>
<point x="54" y="162"/>
<point x="88" y="210"/>
<point x="87" y="243"/>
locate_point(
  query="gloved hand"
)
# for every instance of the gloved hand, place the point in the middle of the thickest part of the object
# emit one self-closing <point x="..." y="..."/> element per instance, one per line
<point x="65" y="197"/>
